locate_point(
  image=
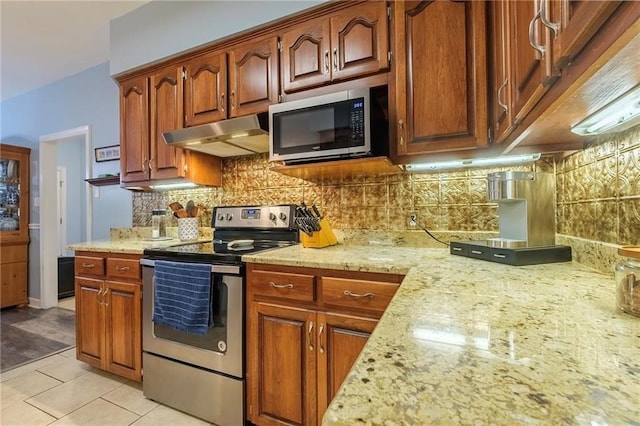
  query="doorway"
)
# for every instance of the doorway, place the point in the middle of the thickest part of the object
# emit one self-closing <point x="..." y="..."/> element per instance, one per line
<point x="48" y="200"/>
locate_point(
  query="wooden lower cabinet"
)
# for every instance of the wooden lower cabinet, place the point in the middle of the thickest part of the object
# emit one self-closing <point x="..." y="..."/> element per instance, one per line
<point x="302" y="341"/>
<point x="109" y="315"/>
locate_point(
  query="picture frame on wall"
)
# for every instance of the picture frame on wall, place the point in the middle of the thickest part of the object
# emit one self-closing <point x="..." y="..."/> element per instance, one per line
<point x="107" y="153"/>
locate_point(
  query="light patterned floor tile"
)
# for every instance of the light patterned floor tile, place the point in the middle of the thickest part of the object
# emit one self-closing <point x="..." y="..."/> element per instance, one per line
<point x="75" y="393"/>
<point x="69" y="353"/>
<point x="162" y="415"/>
<point x="23" y="414"/>
<point x="130" y="396"/>
<point x="100" y="413"/>
<point x="8" y="375"/>
<point x="25" y="386"/>
<point x="66" y="369"/>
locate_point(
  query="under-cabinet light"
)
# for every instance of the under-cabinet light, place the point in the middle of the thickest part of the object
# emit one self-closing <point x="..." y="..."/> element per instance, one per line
<point x="621" y="114"/>
<point x="473" y="162"/>
<point x="168" y="186"/>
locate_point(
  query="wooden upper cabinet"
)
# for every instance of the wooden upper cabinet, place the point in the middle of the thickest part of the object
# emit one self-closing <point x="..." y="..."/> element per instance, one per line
<point x="438" y="93"/>
<point x="360" y="41"/>
<point x="573" y="23"/>
<point x="205" y="89"/>
<point x="500" y="74"/>
<point x="166" y="114"/>
<point x="352" y="43"/>
<point x="305" y="56"/>
<point x="253" y="77"/>
<point x="134" y="129"/>
<point x="531" y="55"/>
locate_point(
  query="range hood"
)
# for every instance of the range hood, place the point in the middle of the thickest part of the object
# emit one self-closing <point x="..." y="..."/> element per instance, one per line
<point x="228" y="138"/>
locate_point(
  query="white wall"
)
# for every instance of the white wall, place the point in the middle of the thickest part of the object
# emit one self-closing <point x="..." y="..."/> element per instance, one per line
<point x="161" y="29"/>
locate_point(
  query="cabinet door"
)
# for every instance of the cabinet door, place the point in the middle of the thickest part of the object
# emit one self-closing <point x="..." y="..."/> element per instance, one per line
<point x="502" y="120"/>
<point x="90" y="324"/>
<point x="122" y="304"/>
<point x="134" y="130"/>
<point x="253" y="77"/>
<point x="340" y="341"/>
<point x="13" y="282"/>
<point x="166" y="115"/>
<point x="440" y="76"/>
<point x="360" y="41"/>
<point x="205" y="89"/>
<point x="576" y="22"/>
<point x="282" y="365"/>
<point x="532" y="67"/>
<point x="306" y="56"/>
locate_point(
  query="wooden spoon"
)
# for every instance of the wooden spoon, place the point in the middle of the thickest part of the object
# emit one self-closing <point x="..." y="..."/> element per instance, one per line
<point x="190" y="206"/>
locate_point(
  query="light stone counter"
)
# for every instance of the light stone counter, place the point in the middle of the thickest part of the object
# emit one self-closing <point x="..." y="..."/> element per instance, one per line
<point x="132" y="246"/>
<point x="466" y="341"/>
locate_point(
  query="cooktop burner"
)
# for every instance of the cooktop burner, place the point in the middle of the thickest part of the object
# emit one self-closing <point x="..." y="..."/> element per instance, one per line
<point x="238" y="230"/>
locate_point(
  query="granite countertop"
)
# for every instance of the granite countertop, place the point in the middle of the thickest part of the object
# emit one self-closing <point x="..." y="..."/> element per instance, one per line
<point x="466" y="341"/>
<point x="131" y="246"/>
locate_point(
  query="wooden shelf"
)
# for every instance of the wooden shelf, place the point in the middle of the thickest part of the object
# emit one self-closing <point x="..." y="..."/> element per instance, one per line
<point x="102" y="181"/>
<point x="340" y="168"/>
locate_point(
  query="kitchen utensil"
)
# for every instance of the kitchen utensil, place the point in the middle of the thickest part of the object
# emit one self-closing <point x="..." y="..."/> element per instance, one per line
<point x="175" y="206"/>
<point x="190" y="207"/>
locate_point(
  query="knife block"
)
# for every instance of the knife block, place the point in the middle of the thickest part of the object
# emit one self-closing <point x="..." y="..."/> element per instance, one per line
<point x="318" y="239"/>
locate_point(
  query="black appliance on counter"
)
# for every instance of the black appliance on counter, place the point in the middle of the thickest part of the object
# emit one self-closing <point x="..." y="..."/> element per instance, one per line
<point x="205" y="375"/>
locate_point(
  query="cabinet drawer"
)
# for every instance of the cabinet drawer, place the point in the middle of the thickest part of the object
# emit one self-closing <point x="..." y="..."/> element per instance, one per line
<point x="123" y="268"/>
<point x="89" y="265"/>
<point x="350" y="293"/>
<point x="284" y="285"/>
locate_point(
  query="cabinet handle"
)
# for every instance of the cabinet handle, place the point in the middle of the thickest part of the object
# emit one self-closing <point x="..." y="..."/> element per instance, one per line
<point x="150" y="164"/>
<point x="99" y="297"/>
<point x="222" y="101"/>
<point x="320" y="345"/>
<point x="401" y="131"/>
<point x="504" y="106"/>
<point x="122" y="268"/>
<point x="274" y="285"/>
<point x="233" y="96"/>
<point x="144" y="163"/>
<point x="349" y="293"/>
<point x="476" y="252"/>
<point x="545" y="21"/>
<point x="500" y="256"/>
<point x="326" y="62"/>
<point x="88" y="265"/>
<point x="335" y="59"/>
<point x="532" y="42"/>
<point x="310" y="335"/>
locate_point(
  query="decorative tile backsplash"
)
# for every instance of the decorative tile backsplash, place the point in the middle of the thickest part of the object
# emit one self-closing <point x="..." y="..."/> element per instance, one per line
<point x="598" y="194"/>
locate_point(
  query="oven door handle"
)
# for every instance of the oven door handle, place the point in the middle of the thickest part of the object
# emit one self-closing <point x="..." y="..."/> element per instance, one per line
<point x="219" y="269"/>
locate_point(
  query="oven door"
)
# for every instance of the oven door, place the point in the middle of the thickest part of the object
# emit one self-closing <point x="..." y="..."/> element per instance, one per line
<point x="222" y="348"/>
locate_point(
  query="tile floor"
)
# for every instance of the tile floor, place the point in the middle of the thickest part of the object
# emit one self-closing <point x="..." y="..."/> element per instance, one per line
<point x="59" y="390"/>
<point x="68" y="303"/>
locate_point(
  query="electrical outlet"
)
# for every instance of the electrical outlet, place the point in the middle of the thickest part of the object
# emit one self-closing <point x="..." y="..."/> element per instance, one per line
<point x="413" y="219"/>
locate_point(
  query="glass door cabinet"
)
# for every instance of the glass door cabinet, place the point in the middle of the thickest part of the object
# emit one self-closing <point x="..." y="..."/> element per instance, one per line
<point x="14" y="218"/>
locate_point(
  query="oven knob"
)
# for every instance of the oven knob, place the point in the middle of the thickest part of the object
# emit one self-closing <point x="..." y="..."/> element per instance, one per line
<point x="283" y="217"/>
<point x="229" y="216"/>
<point x="272" y="217"/>
<point x="220" y="217"/>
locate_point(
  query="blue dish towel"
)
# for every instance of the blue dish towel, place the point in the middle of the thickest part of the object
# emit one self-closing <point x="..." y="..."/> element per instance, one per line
<point x="182" y="298"/>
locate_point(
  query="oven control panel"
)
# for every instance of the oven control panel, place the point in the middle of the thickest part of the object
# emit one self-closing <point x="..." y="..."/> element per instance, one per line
<point x="279" y="216"/>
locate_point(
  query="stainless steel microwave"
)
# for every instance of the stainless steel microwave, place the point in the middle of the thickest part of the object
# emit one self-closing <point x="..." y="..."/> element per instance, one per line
<point x="337" y="125"/>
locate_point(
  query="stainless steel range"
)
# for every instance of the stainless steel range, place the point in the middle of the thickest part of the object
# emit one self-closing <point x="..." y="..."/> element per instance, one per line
<point x="204" y="375"/>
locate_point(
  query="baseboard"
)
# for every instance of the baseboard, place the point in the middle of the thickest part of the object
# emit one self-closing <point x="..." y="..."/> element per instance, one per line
<point x="35" y="303"/>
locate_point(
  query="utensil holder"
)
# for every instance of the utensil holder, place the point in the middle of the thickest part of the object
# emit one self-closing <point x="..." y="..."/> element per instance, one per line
<point x="188" y="228"/>
<point x="322" y="238"/>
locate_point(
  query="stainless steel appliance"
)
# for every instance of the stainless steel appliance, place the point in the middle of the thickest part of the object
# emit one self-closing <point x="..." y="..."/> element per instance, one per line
<point x="526" y="220"/>
<point x="205" y="375"/>
<point x="344" y="124"/>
